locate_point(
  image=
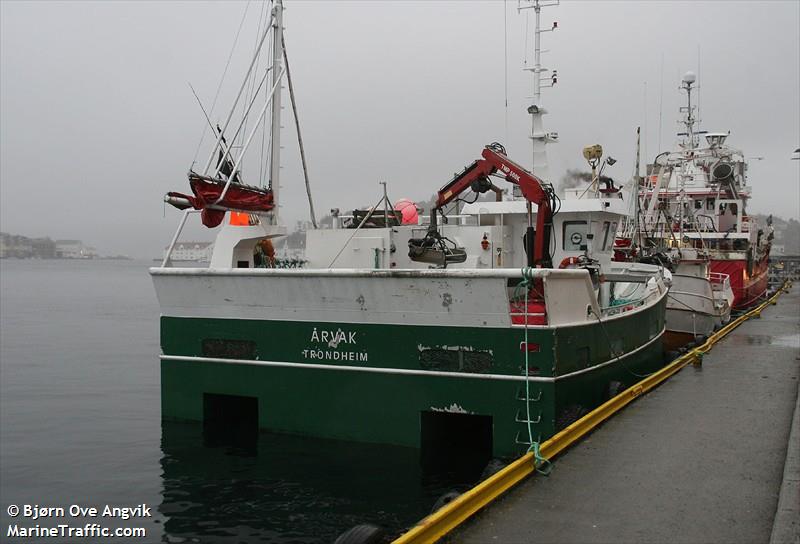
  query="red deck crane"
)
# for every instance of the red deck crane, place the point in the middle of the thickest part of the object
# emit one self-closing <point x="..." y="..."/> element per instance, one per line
<point x="432" y="248"/>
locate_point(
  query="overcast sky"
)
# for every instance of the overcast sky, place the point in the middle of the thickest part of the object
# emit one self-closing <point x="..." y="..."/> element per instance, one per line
<point x="97" y="120"/>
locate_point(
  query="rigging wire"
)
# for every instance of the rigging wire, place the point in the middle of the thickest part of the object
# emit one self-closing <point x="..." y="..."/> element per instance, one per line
<point x="366" y="217"/>
<point x="660" y="104"/>
<point x="264" y="120"/>
<point x="505" y="62"/>
<point x="250" y="93"/>
<point x="299" y="136"/>
<point x="222" y="79"/>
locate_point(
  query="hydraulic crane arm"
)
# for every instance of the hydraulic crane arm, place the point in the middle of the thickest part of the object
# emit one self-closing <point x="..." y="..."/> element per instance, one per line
<point x="476" y="178"/>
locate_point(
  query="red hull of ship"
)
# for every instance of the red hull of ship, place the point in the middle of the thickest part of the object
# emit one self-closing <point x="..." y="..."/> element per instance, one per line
<point x="747" y="288"/>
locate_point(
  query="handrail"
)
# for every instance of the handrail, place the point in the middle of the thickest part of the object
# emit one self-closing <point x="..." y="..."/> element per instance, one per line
<point x="168" y="254"/>
<point x="456" y="273"/>
<point x="719" y="277"/>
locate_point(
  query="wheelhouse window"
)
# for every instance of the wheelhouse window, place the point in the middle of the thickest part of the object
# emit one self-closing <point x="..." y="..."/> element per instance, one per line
<point x="606" y="228"/>
<point x="609" y="233"/>
<point x="574" y="235"/>
<point x="612" y="234"/>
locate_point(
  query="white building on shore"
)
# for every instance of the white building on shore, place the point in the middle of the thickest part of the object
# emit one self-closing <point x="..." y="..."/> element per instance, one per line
<point x="74" y="249"/>
<point x="191" y="251"/>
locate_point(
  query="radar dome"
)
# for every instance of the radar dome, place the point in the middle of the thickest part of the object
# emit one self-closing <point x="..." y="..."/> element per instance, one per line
<point x="689" y="77"/>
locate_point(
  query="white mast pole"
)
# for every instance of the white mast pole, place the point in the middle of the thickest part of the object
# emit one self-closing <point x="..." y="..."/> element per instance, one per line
<point x="277" y="73"/>
<point x="539" y="138"/>
<point x="537" y="54"/>
<point x="687" y="82"/>
<point x="537" y="85"/>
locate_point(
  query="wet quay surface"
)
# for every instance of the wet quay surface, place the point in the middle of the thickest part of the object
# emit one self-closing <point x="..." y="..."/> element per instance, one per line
<point x="699" y="459"/>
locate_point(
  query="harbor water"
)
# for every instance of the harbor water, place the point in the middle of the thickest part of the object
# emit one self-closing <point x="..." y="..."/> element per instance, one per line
<point x="80" y="423"/>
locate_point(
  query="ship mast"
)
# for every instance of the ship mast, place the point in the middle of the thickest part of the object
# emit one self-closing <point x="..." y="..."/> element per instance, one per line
<point x="539" y="138"/>
<point x="686" y="84"/>
<point x="275" y="129"/>
<point x="689" y="120"/>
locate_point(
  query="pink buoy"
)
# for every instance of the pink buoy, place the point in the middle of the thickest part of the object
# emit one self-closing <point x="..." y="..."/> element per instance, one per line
<point x="409" y="211"/>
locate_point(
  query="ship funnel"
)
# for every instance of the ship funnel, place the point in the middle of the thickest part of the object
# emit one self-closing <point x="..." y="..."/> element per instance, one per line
<point x="722" y="172"/>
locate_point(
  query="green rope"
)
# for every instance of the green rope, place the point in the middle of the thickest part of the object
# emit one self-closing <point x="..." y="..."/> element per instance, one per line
<point x="543" y="466"/>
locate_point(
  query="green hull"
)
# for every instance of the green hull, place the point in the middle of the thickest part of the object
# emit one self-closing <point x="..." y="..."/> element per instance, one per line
<point x="371" y="383"/>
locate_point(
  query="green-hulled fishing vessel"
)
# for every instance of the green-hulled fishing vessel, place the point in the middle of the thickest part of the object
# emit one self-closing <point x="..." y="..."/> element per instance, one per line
<point x="401" y="333"/>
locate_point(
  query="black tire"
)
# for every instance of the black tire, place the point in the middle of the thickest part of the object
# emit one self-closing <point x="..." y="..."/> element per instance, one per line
<point x="672" y="355"/>
<point x="362" y="534"/>
<point x="492" y="467"/>
<point x="448" y="497"/>
<point x="570" y="414"/>
<point x="614" y="388"/>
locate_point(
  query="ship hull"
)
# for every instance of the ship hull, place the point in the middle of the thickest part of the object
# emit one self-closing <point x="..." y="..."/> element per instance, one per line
<point x="697" y="305"/>
<point x="748" y="287"/>
<point x="691" y="311"/>
<point x="373" y="380"/>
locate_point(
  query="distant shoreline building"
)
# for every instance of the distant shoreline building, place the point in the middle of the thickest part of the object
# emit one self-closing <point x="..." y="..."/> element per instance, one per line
<point x="191" y="251"/>
<point x="74" y="249"/>
<point x="21" y="247"/>
<point x="14" y="246"/>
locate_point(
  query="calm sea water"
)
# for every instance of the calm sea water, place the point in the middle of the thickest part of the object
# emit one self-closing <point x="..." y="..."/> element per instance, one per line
<point x="80" y="423"/>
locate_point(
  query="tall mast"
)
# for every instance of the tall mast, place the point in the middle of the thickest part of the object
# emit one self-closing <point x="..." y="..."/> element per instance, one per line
<point x="539" y="138"/>
<point x="275" y="130"/>
<point x="537" y="53"/>
<point x="686" y="84"/>
<point x="637" y="184"/>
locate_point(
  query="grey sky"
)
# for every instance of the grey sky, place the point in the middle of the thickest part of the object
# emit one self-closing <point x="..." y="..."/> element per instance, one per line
<point x="97" y="121"/>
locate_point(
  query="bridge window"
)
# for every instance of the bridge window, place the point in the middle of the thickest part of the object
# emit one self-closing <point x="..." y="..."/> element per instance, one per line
<point x="609" y="233"/>
<point x="606" y="228"/>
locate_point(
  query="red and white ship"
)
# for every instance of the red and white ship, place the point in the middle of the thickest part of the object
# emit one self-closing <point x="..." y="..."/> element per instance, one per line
<point x="696" y="197"/>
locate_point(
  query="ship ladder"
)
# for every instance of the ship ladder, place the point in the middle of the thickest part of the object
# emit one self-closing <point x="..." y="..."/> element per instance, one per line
<point x="542" y="465"/>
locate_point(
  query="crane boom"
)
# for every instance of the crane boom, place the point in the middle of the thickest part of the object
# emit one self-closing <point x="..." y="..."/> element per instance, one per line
<point x="476" y="178"/>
